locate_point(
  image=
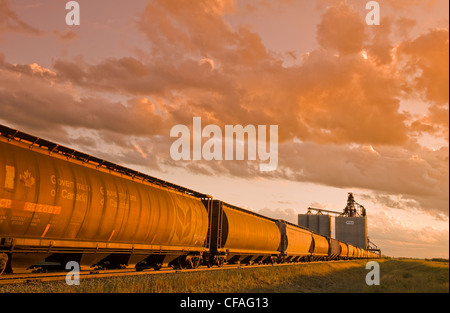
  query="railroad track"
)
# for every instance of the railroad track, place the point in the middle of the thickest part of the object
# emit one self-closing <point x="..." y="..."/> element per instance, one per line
<point x="12" y="279"/>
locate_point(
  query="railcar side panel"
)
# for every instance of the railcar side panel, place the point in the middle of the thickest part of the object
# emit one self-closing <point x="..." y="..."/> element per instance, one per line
<point x="241" y="236"/>
<point x="245" y="231"/>
<point x="352" y="252"/>
<point x="298" y="241"/>
<point x="334" y="248"/>
<point x="321" y="246"/>
<point x="49" y="200"/>
<point x="344" y="250"/>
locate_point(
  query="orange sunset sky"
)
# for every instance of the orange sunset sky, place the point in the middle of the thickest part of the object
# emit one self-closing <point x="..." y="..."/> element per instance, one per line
<point x="360" y="108"/>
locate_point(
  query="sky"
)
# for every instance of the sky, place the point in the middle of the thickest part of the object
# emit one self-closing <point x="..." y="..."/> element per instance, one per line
<point x="359" y="108"/>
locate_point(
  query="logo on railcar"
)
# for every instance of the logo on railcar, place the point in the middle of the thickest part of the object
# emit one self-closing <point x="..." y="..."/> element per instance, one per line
<point x="27" y="179"/>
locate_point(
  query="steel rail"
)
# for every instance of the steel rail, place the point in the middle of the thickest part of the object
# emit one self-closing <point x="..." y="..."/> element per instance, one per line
<point x="12" y="279"/>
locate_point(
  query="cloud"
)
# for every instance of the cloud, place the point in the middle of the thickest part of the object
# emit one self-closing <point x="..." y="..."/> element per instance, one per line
<point x="427" y="60"/>
<point x="342" y="29"/>
<point x="289" y="215"/>
<point x="31" y="94"/>
<point x="417" y="173"/>
<point x="11" y="22"/>
<point x="397" y="238"/>
<point x="339" y="101"/>
<point x="428" y="56"/>
<point x="244" y="83"/>
<point x="175" y="28"/>
<point x="66" y="35"/>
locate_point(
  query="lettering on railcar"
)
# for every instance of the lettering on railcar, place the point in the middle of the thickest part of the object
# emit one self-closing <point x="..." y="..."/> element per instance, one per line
<point x="17" y="220"/>
<point x="69" y="184"/>
<point x="10" y="174"/>
<point x="70" y="190"/>
<point x="29" y="206"/>
<point x="42" y="208"/>
<point x="5" y="203"/>
<point x="73" y="196"/>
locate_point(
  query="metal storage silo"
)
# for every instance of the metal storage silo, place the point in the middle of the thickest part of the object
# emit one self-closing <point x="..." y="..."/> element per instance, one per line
<point x="352" y="230"/>
<point x="320" y="224"/>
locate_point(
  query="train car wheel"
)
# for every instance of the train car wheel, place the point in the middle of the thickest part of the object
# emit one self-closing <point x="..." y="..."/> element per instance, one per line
<point x="181" y="263"/>
<point x="189" y="262"/>
<point x="3" y="262"/>
<point x="208" y="260"/>
<point x="196" y="262"/>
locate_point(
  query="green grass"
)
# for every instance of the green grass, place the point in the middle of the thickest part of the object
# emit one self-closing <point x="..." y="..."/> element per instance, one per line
<point x="406" y="275"/>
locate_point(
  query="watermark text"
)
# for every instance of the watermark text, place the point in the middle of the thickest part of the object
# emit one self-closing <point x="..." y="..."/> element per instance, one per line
<point x="373" y="277"/>
<point x="219" y="148"/>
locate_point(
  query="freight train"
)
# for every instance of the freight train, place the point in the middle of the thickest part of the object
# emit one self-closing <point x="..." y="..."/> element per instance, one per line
<point x="59" y="205"/>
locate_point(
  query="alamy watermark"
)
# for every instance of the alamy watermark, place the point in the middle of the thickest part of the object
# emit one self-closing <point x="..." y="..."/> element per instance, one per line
<point x="373" y="17"/>
<point x="73" y="277"/>
<point x="73" y="16"/>
<point x="213" y="148"/>
<point x="373" y="277"/>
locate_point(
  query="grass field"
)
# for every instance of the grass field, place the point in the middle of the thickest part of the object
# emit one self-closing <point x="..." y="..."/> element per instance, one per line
<point x="396" y="275"/>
